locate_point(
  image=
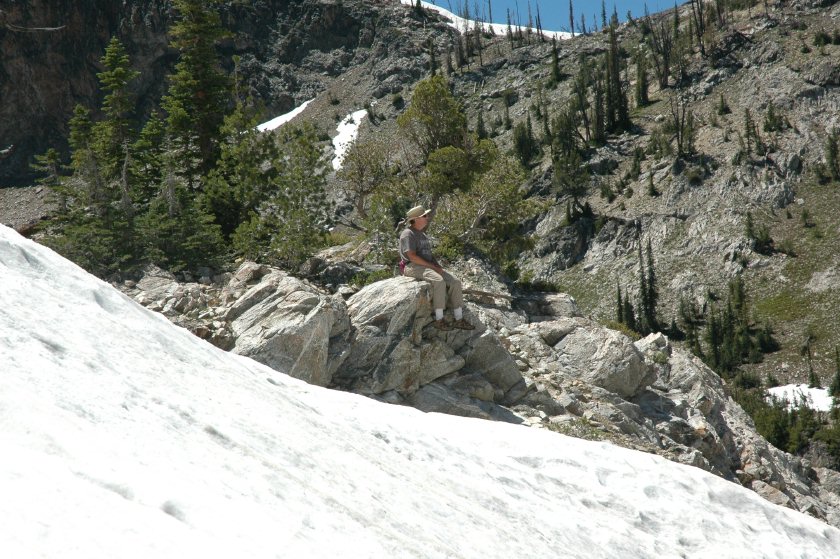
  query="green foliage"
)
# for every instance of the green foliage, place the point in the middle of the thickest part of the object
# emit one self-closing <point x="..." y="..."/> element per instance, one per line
<point x="617" y="110"/>
<point x="730" y="337"/>
<point x="746" y="380"/>
<point x="555" y="76"/>
<point x="723" y="106"/>
<point x="834" y="387"/>
<point x="434" y="119"/>
<point x="448" y="169"/>
<point x="683" y="125"/>
<point x="822" y="38"/>
<point x="624" y="329"/>
<point x="752" y="141"/>
<point x="524" y="144"/>
<point x="645" y="320"/>
<point x="832" y="154"/>
<point x="571" y="178"/>
<point x="113" y="134"/>
<point x="366" y="169"/>
<point x="774" y="121"/>
<point x="48" y="165"/>
<point x="642" y="82"/>
<point x="830" y="436"/>
<point x="772" y="419"/>
<point x="199" y="90"/>
<point x="488" y="216"/>
<point x="94" y="223"/>
<point x="368" y="277"/>
<point x="241" y="180"/>
<point x="291" y="220"/>
<point x="659" y="145"/>
<point x="177" y="233"/>
<point x="762" y="242"/>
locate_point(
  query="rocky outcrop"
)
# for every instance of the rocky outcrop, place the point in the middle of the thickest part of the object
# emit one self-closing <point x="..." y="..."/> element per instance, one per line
<point x="289" y="326"/>
<point x="531" y="359"/>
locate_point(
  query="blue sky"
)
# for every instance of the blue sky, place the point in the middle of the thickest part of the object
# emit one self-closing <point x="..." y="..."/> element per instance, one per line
<point x="555" y="13"/>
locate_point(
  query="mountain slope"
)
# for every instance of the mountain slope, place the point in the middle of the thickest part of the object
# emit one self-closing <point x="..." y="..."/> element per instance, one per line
<point x="127" y="436"/>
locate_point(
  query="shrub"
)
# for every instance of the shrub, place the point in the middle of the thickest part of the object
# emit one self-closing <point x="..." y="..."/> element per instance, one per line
<point x="822" y="38"/>
<point x="746" y="380"/>
<point x="694" y="175"/>
<point x="624" y="329"/>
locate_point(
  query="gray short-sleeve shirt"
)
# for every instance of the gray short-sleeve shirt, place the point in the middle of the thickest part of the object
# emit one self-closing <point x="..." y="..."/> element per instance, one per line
<point x="417" y="241"/>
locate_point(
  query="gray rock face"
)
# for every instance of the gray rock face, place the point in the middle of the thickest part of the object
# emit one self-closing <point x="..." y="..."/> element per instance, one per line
<point x="396" y="348"/>
<point x="288" y="326"/>
<point x="605" y="358"/>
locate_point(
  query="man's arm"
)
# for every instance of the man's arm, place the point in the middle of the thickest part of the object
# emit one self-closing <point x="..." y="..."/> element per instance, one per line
<point x="414" y="258"/>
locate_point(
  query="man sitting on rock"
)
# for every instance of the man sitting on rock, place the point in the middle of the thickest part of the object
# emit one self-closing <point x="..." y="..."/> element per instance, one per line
<point x="416" y="254"/>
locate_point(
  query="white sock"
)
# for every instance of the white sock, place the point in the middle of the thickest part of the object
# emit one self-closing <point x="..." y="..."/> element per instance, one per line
<point x="438" y="314"/>
<point x="459" y="313"/>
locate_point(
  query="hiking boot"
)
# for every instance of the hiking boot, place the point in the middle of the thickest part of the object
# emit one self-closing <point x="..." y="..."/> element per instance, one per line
<point x="442" y="324"/>
<point x="463" y="324"/>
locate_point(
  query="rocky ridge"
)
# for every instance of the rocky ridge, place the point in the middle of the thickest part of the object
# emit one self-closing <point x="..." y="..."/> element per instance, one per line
<point x="532" y="359"/>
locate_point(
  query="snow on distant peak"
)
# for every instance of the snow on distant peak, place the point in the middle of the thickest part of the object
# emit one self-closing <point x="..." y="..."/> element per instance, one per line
<point x="464" y="25"/>
<point x="347" y="130"/>
<point x="125" y="436"/>
<point x="279" y="121"/>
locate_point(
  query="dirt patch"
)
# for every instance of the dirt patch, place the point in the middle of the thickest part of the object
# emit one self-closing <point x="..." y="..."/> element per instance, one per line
<point x="24" y="206"/>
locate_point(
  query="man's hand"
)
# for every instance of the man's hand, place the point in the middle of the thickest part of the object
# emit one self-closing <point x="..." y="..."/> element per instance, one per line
<point x="415" y="259"/>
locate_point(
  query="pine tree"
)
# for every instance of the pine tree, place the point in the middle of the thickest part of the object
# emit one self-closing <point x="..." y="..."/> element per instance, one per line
<point x="629" y="315"/>
<point x="653" y="292"/>
<point x="753" y="141"/>
<point x="572" y="18"/>
<point x="689" y="317"/>
<point x="199" y="90"/>
<point x="555" y="77"/>
<point x="619" y="305"/>
<point x="523" y="142"/>
<point x="723" y="106"/>
<point x="603" y="14"/>
<point x="434" y="119"/>
<point x="642" y="85"/>
<point x="147" y="163"/>
<point x="599" y="124"/>
<point x="714" y="338"/>
<point x="834" y="387"/>
<point x="509" y="31"/>
<point x="48" y="165"/>
<point x="114" y="131"/>
<point x="290" y="224"/>
<point x="617" y="114"/>
<point x="661" y="39"/>
<point x="570" y="178"/>
<point x="480" y="127"/>
<point x="94" y="225"/>
<point x="243" y="176"/>
<point x="580" y="99"/>
<point x="832" y="161"/>
<point x="698" y="14"/>
<point x="645" y="326"/>
<point x="813" y="377"/>
<point x="177" y="233"/>
<point x="113" y="136"/>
